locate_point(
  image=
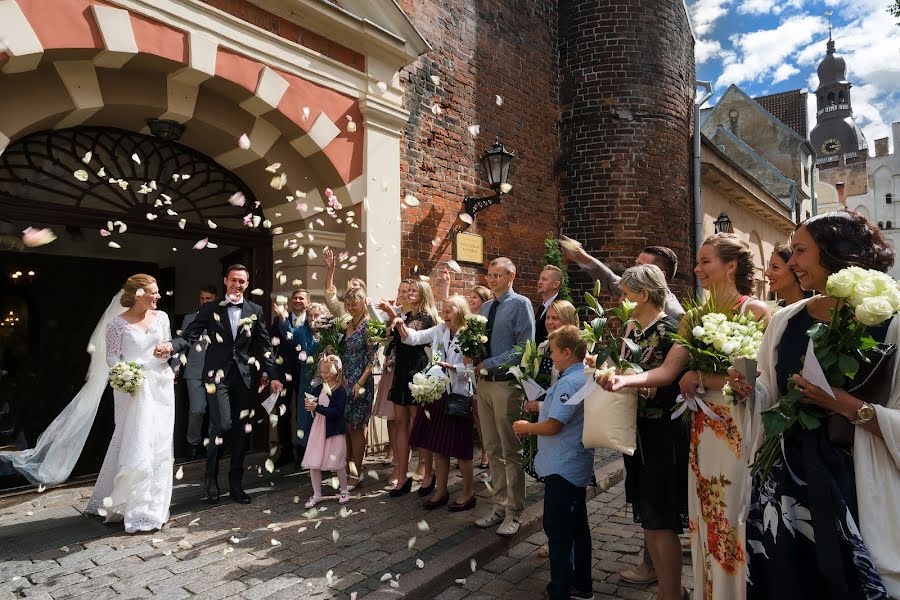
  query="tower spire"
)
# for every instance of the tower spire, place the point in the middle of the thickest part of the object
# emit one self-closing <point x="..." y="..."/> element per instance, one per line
<point x="829" y="13"/>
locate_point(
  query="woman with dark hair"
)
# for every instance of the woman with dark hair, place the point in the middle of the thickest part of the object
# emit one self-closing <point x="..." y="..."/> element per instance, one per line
<point x="717" y="474"/>
<point x="783" y="282"/>
<point x="824" y="520"/>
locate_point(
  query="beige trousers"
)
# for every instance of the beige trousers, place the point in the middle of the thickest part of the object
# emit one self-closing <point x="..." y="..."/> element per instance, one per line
<point x="498" y="406"/>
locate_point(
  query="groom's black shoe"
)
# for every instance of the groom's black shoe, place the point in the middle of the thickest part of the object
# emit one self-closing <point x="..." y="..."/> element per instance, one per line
<point x="212" y="491"/>
<point x="240" y="496"/>
<point x="284" y="460"/>
<point x="197" y="452"/>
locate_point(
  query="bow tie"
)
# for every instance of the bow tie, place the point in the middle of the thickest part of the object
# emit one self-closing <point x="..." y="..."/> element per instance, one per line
<point x="235" y="304"/>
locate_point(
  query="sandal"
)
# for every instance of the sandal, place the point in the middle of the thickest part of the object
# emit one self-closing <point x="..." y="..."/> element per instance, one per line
<point x="313" y="501"/>
<point x="344" y="498"/>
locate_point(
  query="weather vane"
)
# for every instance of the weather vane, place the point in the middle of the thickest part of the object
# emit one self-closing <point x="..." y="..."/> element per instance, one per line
<point x="828" y="14"/>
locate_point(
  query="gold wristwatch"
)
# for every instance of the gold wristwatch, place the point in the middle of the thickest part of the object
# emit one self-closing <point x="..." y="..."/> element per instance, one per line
<point x="864" y="414"/>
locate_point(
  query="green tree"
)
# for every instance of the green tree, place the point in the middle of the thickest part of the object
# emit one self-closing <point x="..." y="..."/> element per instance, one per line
<point x="894" y="9"/>
<point x="553" y="256"/>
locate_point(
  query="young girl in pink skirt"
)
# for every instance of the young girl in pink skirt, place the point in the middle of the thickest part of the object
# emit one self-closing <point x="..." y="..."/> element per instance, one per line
<point x="326" y="448"/>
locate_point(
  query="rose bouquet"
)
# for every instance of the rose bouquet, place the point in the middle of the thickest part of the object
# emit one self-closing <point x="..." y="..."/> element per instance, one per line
<point x="715" y="338"/>
<point x="428" y="386"/>
<point x="328" y="331"/>
<point x="472" y="337"/>
<point x="865" y="298"/>
<point x="126" y="377"/>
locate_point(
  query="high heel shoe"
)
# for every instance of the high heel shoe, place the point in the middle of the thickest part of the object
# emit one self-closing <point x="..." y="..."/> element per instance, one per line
<point x="432" y="504"/>
<point x="402" y="491"/>
<point x="425" y="491"/>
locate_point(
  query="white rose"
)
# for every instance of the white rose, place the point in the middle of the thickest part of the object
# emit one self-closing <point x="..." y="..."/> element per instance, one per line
<point x="698" y="331"/>
<point x="892" y="295"/>
<point x="866" y="288"/>
<point x="127" y="376"/>
<point x="484" y="339"/>
<point x="872" y="311"/>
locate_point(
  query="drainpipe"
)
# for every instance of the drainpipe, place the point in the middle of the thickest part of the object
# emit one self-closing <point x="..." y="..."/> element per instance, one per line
<point x="698" y="205"/>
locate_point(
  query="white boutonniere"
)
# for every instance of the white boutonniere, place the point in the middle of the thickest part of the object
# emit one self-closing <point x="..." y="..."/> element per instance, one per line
<point x="246" y="324"/>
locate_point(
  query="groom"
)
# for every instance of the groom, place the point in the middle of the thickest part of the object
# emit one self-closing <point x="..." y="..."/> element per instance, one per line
<point x="239" y="345"/>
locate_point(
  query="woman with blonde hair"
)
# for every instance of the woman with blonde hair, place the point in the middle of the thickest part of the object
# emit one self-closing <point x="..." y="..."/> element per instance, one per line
<point x="438" y="434"/>
<point x="409" y="361"/>
<point x="358" y="355"/>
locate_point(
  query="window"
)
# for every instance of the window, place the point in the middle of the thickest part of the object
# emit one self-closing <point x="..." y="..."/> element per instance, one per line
<point x="889" y="225"/>
<point x="841" y="97"/>
<point x="888" y="198"/>
<point x="880" y="224"/>
<point x="830" y="98"/>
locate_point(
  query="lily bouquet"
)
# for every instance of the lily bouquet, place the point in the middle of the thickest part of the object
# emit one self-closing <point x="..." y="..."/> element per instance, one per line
<point x="126" y="377"/>
<point x="376" y="332"/>
<point x="604" y="332"/>
<point x="472" y="337"/>
<point x="715" y="337"/>
<point x="865" y="298"/>
<point x="528" y="369"/>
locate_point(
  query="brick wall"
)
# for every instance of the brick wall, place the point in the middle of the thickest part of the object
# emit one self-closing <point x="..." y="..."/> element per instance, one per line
<point x="481" y="50"/>
<point x="626" y="90"/>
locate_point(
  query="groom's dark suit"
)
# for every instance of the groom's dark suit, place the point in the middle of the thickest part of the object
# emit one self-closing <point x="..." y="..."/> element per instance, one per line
<point x="235" y="391"/>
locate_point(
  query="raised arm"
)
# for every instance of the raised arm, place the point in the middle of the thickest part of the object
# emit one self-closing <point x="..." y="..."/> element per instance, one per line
<point x="413" y="337"/>
<point x="596" y="269"/>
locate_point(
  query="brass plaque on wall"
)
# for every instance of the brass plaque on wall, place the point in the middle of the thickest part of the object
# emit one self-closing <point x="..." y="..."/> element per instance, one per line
<point x="468" y="248"/>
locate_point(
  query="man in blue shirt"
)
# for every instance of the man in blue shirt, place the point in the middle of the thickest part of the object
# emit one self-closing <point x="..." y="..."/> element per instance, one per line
<point x="510" y="323"/>
<point x="566" y="466"/>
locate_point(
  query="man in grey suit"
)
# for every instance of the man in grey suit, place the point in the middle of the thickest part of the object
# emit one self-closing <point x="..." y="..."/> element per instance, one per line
<point x="193" y="377"/>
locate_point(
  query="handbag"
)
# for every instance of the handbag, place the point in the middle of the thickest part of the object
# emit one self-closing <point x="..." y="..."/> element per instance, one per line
<point x="458" y="405"/>
<point x="874" y="388"/>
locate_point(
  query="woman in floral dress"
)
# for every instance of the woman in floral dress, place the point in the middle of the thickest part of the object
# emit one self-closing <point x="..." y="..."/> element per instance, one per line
<point x="718" y="472"/>
<point x="823" y="521"/>
<point x="358" y="356"/>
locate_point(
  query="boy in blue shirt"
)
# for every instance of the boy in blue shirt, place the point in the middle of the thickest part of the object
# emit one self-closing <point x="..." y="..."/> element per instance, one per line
<point x="566" y="466"/>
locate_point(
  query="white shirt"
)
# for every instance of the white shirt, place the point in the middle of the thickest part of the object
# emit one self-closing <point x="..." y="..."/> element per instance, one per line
<point x="547" y="304"/>
<point x="234" y="315"/>
<point x="440" y="340"/>
<point x="299" y="319"/>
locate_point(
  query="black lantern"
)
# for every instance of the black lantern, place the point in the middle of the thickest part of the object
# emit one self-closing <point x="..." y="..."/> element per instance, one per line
<point x="166" y="129"/>
<point x="496" y="163"/>
<point x="723" y="224"/>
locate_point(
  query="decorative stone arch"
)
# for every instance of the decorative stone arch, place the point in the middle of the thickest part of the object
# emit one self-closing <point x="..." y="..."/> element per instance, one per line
<point x="84" y="62"/>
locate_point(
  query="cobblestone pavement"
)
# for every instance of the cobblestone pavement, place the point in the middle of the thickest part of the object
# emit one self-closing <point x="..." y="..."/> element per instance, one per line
<point x="270" y="549"/>
<point x="521" y="573"/>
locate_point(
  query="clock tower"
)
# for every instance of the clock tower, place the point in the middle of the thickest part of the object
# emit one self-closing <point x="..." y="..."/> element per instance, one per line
<point x="836" y="135"/>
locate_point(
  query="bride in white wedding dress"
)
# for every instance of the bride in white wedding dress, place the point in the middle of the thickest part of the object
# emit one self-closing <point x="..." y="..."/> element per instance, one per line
<point x="135" y="482"/>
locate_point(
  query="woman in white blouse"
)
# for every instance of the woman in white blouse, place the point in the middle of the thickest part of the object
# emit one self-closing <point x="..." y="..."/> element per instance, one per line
<point x="434" y="431"/>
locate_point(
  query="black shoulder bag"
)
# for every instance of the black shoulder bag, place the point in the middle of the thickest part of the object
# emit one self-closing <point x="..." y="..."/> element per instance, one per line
<point x="458" y="405"/>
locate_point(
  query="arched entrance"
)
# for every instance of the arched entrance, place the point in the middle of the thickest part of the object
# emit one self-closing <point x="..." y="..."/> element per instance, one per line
<point x="96" y="186"/>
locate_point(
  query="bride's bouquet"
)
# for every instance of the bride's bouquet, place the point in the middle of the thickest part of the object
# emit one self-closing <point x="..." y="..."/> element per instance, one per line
<point x="126" y="377"/>
<point x="472" y="337"/>
<point x="865" y="298"/>
<point x="715" y="338"/>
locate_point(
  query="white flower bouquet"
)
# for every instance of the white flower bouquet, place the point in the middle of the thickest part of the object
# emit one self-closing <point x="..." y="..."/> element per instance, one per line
<point x="126" y="377"/>
<point x="865" y="298"/>
<point x="472" y="337"/>
<point x="428" y="386"/>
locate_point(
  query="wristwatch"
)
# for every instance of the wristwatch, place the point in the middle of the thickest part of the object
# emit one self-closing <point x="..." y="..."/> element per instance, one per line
<point x="864" y="414"/>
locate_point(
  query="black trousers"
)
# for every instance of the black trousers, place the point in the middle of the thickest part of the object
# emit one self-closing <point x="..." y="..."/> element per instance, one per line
<point x="225" y="406"/>
<point x="568" y="537"/>
<point x="285" y="425"/>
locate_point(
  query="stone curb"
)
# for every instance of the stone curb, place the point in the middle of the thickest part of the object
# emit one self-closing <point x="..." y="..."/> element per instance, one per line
<point x="441" y="571"/>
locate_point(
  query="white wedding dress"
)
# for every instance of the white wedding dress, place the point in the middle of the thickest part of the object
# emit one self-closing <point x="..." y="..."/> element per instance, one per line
<point x="135" y="482"/>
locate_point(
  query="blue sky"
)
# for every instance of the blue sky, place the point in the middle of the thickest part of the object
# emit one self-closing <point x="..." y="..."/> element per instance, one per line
<point x="769" y="46"/>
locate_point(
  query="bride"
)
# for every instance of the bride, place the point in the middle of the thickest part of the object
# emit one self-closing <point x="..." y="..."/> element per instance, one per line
<point x="135" y="482"/>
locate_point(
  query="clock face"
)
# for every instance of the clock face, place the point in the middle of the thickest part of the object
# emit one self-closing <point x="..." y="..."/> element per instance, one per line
<point x="831" y="146"/>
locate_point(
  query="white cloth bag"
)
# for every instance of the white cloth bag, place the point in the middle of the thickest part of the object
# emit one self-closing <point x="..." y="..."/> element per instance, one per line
<point x="610" y="420"/>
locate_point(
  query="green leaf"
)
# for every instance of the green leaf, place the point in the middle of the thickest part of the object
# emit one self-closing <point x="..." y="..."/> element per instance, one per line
<point x="817" y="331"/>
<point x="848" y="365"/>
<point x="808" y="421"/>
<point x="867" y="343"/>
<point x="632" y="346"/>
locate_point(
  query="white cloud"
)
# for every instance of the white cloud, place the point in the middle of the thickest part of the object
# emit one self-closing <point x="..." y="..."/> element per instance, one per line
<point x="783" y="72"/>
<point x="705" y="13"/>
<point x="760" y="53"/>
<point x="706" y="50"/>
<point x="767" y="7"/>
